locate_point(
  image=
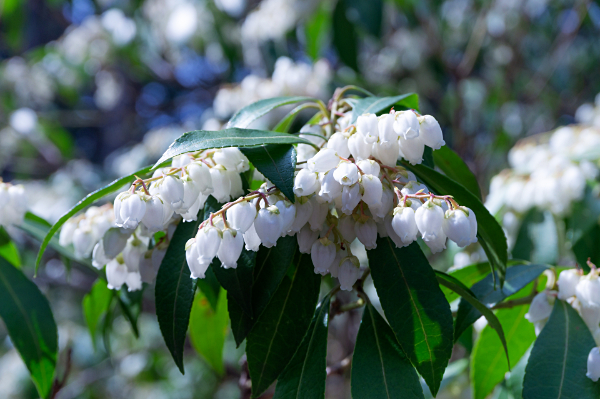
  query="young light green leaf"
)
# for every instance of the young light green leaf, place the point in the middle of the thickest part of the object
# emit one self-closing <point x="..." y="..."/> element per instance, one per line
<point x="374" y="105"/>
<point x="558" y="361"/>
<point x="30" y="324"/>
<point x="8" y="249"/>
<point x="280" y="328"/>
<point x="380" y="368"/>
<point x="304" y="377"/>
<point x="277" y="162"/>
<point x="316" y="29"/>
<point x="245" y="116"/>
<point x="210" y="287"/>
<point x="208" y="329"/>
<point x="455" y="168"/>
<point x="284" y="125"/>
<point x="488" y="366"/>
<point x="95" y="305"/>
<point x="414" y="306"/>
<point x="490" y="234"/>
<point x="467" y="275"/>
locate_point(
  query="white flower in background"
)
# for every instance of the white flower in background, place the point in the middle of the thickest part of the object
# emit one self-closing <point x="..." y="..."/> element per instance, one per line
<point x="230" y="248"/>
<point x="540" y="310"/>
<point x="567" y="283"/>
<point x="593" y="365"/>
<point x="13" y="204"/>
<point x="348" y="273"/>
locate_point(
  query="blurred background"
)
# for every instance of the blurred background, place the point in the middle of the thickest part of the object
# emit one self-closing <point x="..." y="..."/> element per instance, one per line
<point x="92" y="90"/>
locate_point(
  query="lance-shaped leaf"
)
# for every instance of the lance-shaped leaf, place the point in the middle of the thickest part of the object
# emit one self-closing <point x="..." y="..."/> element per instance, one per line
<point x="238" y="281"/>
<point x="558" y="361"/>
<point x="245" y="116"/>
<point x="415" y="307"/>
<point x="517" y="277"/>
<point x="456" y="169"/>
<point x="490" y="234"/>
<point x="233" y="137"/>
<point x="374" y="105"/>
<point x="30" y="324"/>
<point x="380" y="368"/>
<point x="280" y="328"/>
<point x="174" y="292"/>
<point x="304" y="377"/>
<point x="210" y="287"/>
<point x="95" y="305"/>
<point x="345" y="37"/>
<point x="8" y="249"/>
<point x="277" y="162"/>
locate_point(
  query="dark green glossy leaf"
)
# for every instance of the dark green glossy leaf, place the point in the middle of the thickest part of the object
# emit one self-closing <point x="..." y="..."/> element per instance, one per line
<point x="95" y="305"/>
<point x="131" y="306"/>
<point x="517" y="277"/>
<point x="280" y="328"/>
<point x="245" y="116"/>
<point x="8" y="249"/>
<point x="537" y="239"/>
<point x="238" y="281"/>
<point x="467" y="275"/>
<point x="587" y="247"/>
<point x="345" y="38"/>
<point x="558" y="361"/>
<point x="428" y="157"/>
<point x="277" y="162"/>
<point x="490" y="233"/>
<point x="30" y="324"/>
<point x="488" y="365"/>
<point x="367" y="14"/>
<point x="414" y="306"/>
<point x="210" y="287"/>
<point x="241" y="323"/>
<point x="455" y="168"/>
<point x="374" y="105"/>
<point x="174" y="292"/>
<point x="380" y="368"/>
<point x="585" y="214"/>
<point x="304" y="377"/>
<point x="208" y="328"/>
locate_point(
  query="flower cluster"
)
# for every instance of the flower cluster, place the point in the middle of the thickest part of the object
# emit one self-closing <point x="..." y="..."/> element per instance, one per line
<point x="582" y="292"/>
<point x="13" y="204"/>
<point x="350" y="188"/>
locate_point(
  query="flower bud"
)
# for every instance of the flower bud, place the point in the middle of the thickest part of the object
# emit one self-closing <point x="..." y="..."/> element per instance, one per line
<point x="319" y="213"/>
<point x="457" y="227"/>
<point x="388" y="153"/>
<point x="116" y="274"/>
<point x="369" y="167"/>
<point x="412" y="150"/>
<point x="230" y="248"/>
<point x="268" y="225"/>
<point x="305" y="183"/>
<point x="358" y="149"/>
<point x="339" y="143"/>
<point x="540" y="308"/>
<point x="366" y="232"/>
<point x="367" y="126"/>
<point x="208" y="241"/>
<point x="157" y="212"/>
<point x="567" y="283"/>
<point x="593" y="365"/>
<point x="251" y="239"/>
<point x="430" y="132"/>
<point x="387" y="135"/>
<point x="241" y="216"/>
<point x="171" y="190"/>
<point x="406" y="124"/>
<point x="348" y="273"/>
<point x="322" y="254"/>
<point x="350" y="198"/>
<point x="325" y="160"/>
<point x="303" y="213"/>
<point x="429" y="219"/>
<point x="346" y="173"/>
<point x="132" y="210"/>
<point x="372" y="190"/>
<point x="199" y="172"/>
<point x="588" y="290"/>
<point x="346" y="228"/>
<point x="330" y="187"/>
<point x="404" y="224"/>
<point x="221" y="184"/>
<point x="306" y="238"/>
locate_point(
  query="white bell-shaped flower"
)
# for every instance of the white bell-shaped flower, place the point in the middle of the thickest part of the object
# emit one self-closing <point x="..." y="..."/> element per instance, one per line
<point x="381" y="230"/>
<point x="387" y="223"/>
<point x="66" y="233"/>
<point x="367" y="126"/>
<point x="348" y="273"/>
<point x="591" y="316"/>
<point x="230" y="248"/>
<point x="457" y="227"/>
<point x="436" y="244"/>
<point x="413" y="187"/>
<point x="131" y="210"/>
<point x="429" y="219"/>
<point x="221" y="184"/>
<point x="192" y="214"/>
<point x="319" y="213"/>
<point x="346" y="228"/>
<point x="114" y="241"/>
<point x="196" y="264"/>
<point x="372" y="190"/>
<point x="251" y="239"/>
<point x="472" y="223"/>
<point x="387" y="203"/>
<point x="134" y="251"/>
<point x="406" y="124"/>
<point x="339" y="142"/>
<point x="237" y="187"/>
<point x="366" y="232"/>
<point x="387" y="154"/>
<point x="412" y="150"/>
<point x="181" y="160"/>
<point x="287" y="210"/>
<point x="232" y="159"/>
<point x="540" y="308"/>
<point x="83" y="241"/>
<point x="358" y="149"/>
<point x="387" y="134"/>
<point x="330" y="187"/>
<point x="157" y="213"/>
<point x="322" y="254"/>
<point x="334" y="269"/>
<point x="170" y="189"/>
<point x="133" y="281"/>
<point x="99" y="258"/>
<point x="306" y="238"/>
<point x="350" y="198"/>
<point x="430" y="132"/>
<point x="241" y="216"/>
<point x="325" y="160"/>
<point x="200" y="174"/>
<point x="304" y="209"/>
<point x="567" y="283"/>
<point x="305" y="183"/>
<point x="190" y="194"/>
<point x="116" y="274"/>
<point x="268" y="225"/>
<point x="588" y="290"/>
<point x="369" y="167"/>
<point x="593" y="365"/>
<point x="208" y="241"/>
<point x="404" y="224"/>
<point x="346" y="173"/>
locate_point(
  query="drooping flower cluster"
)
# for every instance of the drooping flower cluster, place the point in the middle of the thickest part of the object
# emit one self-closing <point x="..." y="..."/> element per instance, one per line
<point x="582" y="292"/>
<point x="348" y="187"/>
<point x="13" y="204"/>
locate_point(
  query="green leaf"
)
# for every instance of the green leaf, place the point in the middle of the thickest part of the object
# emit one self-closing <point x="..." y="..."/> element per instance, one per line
<point x="380" y="368"/>
<point x="517" y="277"/>
<point x="174" y="292"/>
<point x="558" y="361"/>
<point x="467" y="275"/>
<point x="414" y="306"/>
<point x="233" y="137"/>
<point x="284" y="125"/>
<point x="367" y="14"/>
<point x="537" y="239"/>
<point x="280" y="328"/>
<point x="468" y="295"/>
<point x="238" y="281"/>
<point x="585" y="214"/>
<point x="208" y="328"/>
<point x="587" y="247"/>
<point x="131" y="306"/>
<point x="455" y="168"/>
<point x="86" y="201"/>
<point x="345" y="38"/>
<point x="514" y="382"/>
<point x="8" y="249"/>
<point x="30" y="324"/>
<point x="277" y="162"/>
<point x="374" y="105"/>
<point x="95" y="305"/>
<point x="210" y="287"/>
<point x="488" y="366"/>
<point x="245" y="116"/>
<point x="316" y="30"/>
<point x="304" y="377"/>
<point x="428" y="157"/>
<point x="490" y="233"/>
